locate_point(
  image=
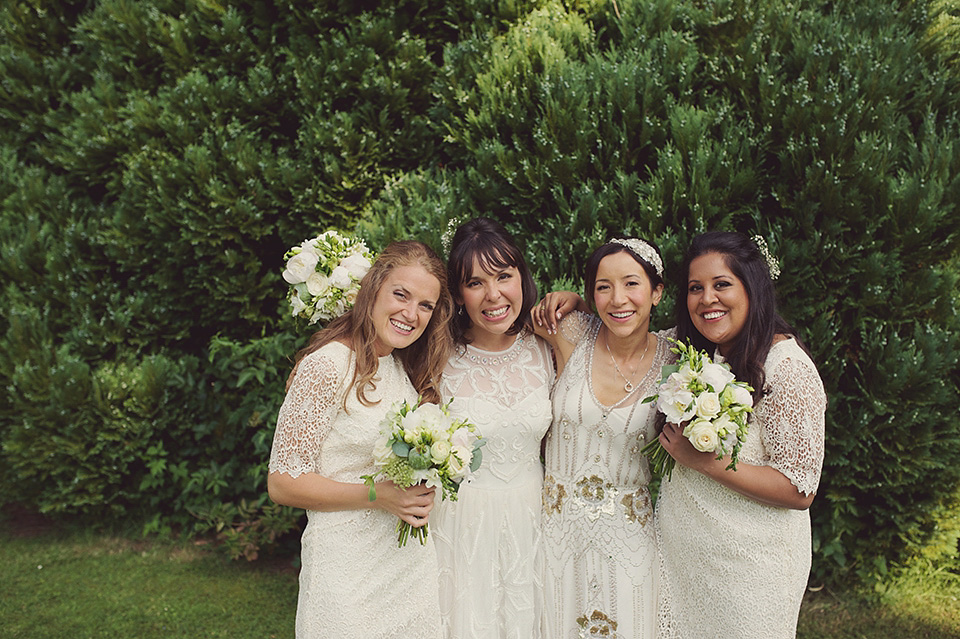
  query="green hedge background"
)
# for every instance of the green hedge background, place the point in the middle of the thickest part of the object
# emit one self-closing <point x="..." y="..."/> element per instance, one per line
<point x="157" y="157"/>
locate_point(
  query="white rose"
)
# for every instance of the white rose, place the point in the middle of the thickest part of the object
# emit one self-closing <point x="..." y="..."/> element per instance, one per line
<point x="340" y="277"/>
<point x="440" y="451"/>
<point x="739" y="394"/>
<point x="708" y="405"/>
<point x="702" y="435"/>
<point x="357" y="265"/>
<point x="317" y="283"/>
<point x="459" y="462"/>
<point x="299" y="267"/>
<point x="462" y="438"/>
<point x="350" y="297"/>
<point x="716" y="376"/>
<point x="382" y="451"/>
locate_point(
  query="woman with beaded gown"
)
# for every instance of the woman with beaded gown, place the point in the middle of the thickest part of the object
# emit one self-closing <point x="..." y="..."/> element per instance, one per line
<point x="499" y="378"/>
<point x="355" y="583"/>
<point x="601" y="566"/>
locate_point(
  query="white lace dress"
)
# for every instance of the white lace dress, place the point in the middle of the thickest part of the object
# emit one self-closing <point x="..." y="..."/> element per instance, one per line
<point x="601" y="577"/>
<point x="354" y="581"/>
<point x="488" y="541"/>
<point x="733" y="567"/>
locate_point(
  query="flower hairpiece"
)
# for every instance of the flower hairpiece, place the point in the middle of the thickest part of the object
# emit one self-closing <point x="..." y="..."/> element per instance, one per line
<point x="446" y="240"/>
<point x="642" y="250"/>
<point x="773" y="265"/>
<point x="324" y="275"/>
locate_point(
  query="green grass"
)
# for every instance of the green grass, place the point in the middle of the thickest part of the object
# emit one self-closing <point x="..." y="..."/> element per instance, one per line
<point x="82" y="585"/>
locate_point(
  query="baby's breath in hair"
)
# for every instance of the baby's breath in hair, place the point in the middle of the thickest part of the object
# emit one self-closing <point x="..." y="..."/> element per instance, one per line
<point x="447" y="238"/>
<point x="773" y="265"/>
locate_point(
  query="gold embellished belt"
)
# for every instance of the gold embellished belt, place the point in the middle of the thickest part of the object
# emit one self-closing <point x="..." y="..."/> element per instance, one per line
<point x="595" y="497"/>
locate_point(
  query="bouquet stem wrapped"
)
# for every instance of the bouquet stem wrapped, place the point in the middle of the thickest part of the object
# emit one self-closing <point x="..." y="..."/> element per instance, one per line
<point x="711" y="401"/>
<point x="424" y="444"/>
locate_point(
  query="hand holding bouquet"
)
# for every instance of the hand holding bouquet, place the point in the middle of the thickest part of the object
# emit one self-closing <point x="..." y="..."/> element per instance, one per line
<point x="325" y="275"/>
<point x="424" y="443"/>
<point x="707" y="396"/>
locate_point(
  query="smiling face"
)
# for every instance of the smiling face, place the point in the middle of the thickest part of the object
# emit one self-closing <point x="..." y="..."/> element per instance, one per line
<point x="716" y="300"/>
<point x="403" y="307"/>
<point x="623" y="294"/>
<point x="492" y="301"/>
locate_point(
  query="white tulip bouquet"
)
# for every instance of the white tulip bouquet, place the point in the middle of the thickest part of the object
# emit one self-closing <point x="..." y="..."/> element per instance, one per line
<point x="708" y="397"/>
<point x="424" y="444"/>
<point x="324" y="274"/>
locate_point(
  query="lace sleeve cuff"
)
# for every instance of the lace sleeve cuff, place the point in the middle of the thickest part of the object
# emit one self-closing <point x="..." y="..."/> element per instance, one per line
<point x="793" y="416"/>
<point x="306" y="415"/>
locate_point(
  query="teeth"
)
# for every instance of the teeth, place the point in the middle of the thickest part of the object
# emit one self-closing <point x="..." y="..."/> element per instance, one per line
<point x="622" y="314"/>
<point x="402" y="326"/>
<point x="497" y="313"/>
<point x="714" y="315"/>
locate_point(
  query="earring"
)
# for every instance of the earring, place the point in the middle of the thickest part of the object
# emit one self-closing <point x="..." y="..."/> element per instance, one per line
<point x="459" y="310"/>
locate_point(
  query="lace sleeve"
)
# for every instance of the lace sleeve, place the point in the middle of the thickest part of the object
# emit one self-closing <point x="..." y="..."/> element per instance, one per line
<point x="793" y="417"/>
<point x="574" y="326"/>
<point x="307" y="412"/>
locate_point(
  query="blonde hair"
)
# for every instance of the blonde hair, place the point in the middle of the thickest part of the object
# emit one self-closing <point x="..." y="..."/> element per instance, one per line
<point x="423" y="360"/>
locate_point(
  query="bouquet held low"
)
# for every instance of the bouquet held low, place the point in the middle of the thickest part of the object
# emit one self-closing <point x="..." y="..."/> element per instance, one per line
<point x="424" y="444"/>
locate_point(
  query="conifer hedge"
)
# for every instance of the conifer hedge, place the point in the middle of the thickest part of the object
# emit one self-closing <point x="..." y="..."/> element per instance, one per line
<point x="158" y="157"/>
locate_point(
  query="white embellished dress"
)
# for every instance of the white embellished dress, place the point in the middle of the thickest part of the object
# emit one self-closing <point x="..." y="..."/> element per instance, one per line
<point x="601" y="566"/>
<point x="354" y="581"/>
<point x="488" y="541"/>
<point x="733" y="567"/>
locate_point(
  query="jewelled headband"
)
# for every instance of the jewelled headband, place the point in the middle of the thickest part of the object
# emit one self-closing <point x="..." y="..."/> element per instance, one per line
<point x="642" y="250"/>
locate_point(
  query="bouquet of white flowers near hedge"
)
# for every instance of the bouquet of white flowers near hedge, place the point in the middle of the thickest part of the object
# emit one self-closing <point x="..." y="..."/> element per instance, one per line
<point x="325" y="274"/>
<point x="707" y="396"/>
<point x="424" y="444"/>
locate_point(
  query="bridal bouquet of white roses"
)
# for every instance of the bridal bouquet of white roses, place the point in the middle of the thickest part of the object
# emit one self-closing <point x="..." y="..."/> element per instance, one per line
<point x="424" y="443"/>
<point x="705" y="394"/>
<point x="324" y="274"/>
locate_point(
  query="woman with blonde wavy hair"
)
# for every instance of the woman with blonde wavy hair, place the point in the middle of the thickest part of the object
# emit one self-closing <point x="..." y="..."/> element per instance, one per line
<point x="391" y="346"/>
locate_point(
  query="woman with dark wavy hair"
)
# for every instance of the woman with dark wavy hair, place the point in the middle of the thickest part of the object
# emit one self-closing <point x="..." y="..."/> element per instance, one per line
<point x="735" y="544"/>
<point x="391" y="346"/>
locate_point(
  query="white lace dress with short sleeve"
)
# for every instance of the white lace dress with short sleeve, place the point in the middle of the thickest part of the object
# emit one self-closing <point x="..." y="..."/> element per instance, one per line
<point x="488" y="541"/>
<point x="354" y="581"/>
<point x="601" y="568"/>
<point x="732" y="567"/>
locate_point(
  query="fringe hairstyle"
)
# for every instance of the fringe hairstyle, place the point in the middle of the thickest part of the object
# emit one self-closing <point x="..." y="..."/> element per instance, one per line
<point x="423" y="360"/>
<point x="744" y="259"/>
<point x="489" y="243"/>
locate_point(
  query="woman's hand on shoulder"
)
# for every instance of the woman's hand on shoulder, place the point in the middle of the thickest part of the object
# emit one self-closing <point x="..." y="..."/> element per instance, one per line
<point x="552" y="308"/>
<point x="412" y="505"/>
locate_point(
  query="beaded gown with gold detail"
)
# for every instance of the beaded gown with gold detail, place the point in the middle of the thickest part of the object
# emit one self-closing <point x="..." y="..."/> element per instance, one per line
<point x="601" y="576"/>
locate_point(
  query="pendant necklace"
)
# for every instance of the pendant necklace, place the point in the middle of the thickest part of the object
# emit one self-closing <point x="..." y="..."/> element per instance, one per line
<point x="628" y="386"/>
